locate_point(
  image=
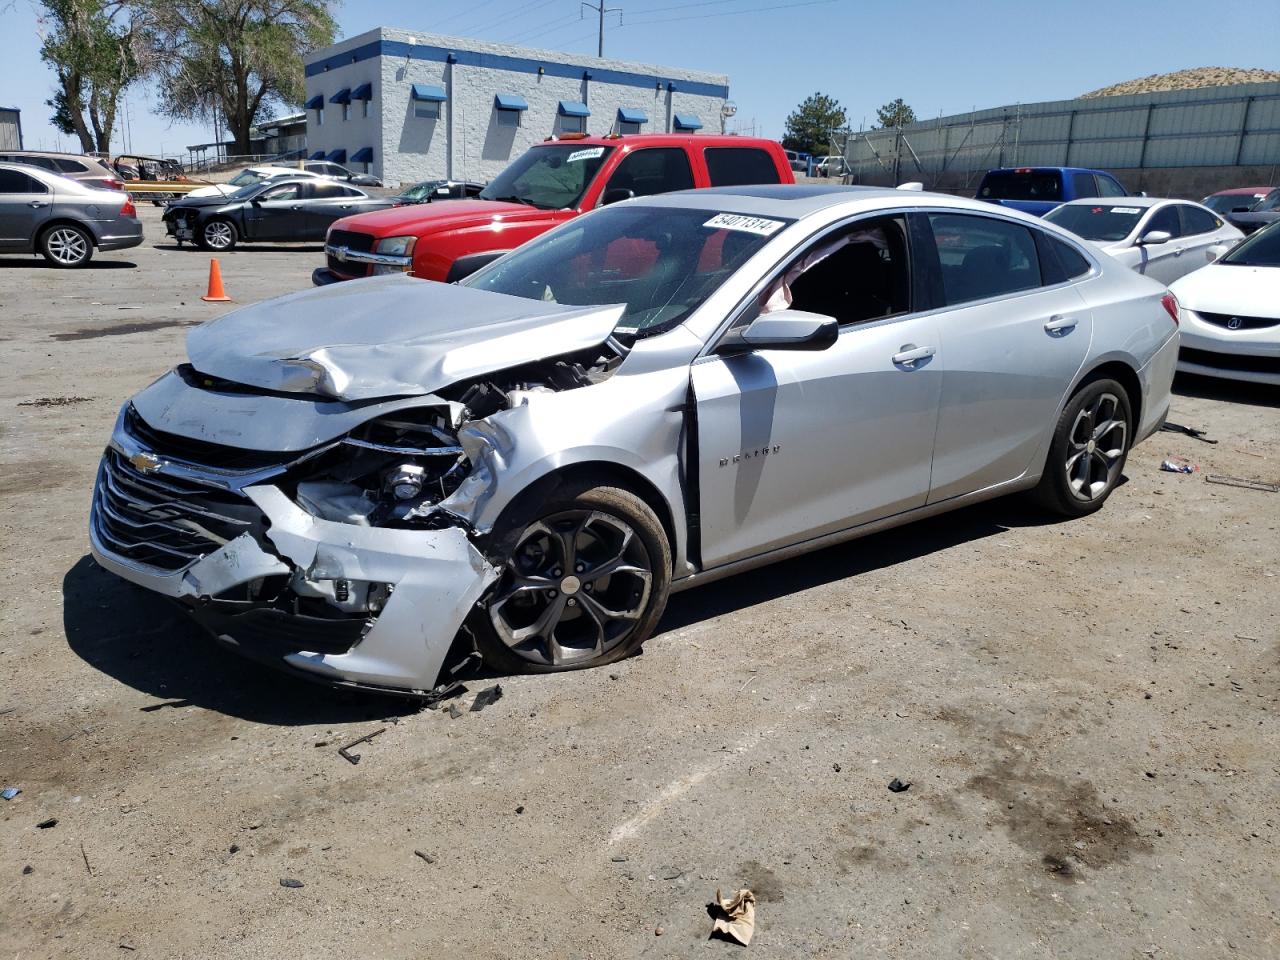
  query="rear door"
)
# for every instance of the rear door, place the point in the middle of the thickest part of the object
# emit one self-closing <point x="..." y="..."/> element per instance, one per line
<point x="25" y="204"/>
<point x="327" y="201"/>
<point x="1011" y="344"/>
<point x="276" y="214"/>
<point x="1163" y="261"/>
<point x="1201" y="230"/>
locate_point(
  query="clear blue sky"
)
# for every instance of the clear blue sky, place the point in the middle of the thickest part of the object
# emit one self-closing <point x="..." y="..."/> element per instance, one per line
<point x="941" y="56"/>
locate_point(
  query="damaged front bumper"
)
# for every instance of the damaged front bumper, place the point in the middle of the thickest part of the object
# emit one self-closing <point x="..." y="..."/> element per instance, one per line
<point x="374" y="607"/>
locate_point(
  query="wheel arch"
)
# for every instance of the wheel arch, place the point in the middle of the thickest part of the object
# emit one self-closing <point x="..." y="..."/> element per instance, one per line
<point x="1121" y="372"/>
<point x="63" y="221"/>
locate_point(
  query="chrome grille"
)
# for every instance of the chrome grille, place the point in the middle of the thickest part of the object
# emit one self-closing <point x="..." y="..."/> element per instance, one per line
<point x="163" y="521"/>
<point x="359" y="242"/>
<point x="1241" y="323"/>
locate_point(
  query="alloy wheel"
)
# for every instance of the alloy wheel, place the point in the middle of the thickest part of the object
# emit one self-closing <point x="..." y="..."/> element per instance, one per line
<point x="1096" y="447"/>
<point x="67" y="246"/>
<point x="218" y="235"/>
<point x="575" y="587"/>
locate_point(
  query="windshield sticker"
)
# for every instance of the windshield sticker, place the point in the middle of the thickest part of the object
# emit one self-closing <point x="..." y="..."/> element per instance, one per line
<point x="591" y="153"/>
<point x="736" y="221"/>
<point x="1126" y="209"/>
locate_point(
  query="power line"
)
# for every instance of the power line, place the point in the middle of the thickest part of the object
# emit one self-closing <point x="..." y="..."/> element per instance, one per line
<point x="472" y="8"/>
<point x="734" y="13"/>
<point x="549" y="27"/>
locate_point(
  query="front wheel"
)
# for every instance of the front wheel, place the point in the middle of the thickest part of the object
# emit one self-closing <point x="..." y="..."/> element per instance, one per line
<point x="1089" y="449"/>
<point x="584" y="582"/>
<point x="66" y="246"/>
<point x="218" y="235"/>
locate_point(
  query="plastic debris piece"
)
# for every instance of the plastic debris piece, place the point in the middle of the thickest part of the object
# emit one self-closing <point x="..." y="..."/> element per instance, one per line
<point x="291" y="883"/>
<point x="1173" y="464"/>
<point x="1243" y="482"/>
<point x="486" y="697"/>
<point x="736" y="917"/>
<point x="1192" y="432"/>
<point x="46" y="824"/>
<point x="897" y="786"/>
<point x="424" y="856"/>
<point x="454" y="711"/>
<point x="9" y="792"/>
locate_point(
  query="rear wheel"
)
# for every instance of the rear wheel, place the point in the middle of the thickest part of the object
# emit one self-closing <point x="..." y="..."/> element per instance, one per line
<point x="66" y="245"/>
<point x="1089" y="449"/>
<point x="218" y="235"/>
<point x="585" y="580"/>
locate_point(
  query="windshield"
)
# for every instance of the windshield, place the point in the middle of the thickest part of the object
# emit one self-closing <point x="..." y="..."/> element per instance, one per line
<point x="1096" y="222"/>
<point x="550" y="177"/>
<point x="1262" y="249"/>
<point x="420" y="191"/>
<point x="1231" y="202"/>
<point x="660" y="262"/>
<point x="1021" y="185"/>
<point x="1270" y="202"/>
<point x="245" y="177"/>
<point x="245" y="192"/>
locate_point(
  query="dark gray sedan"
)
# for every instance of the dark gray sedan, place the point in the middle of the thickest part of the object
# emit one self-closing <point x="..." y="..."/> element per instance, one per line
<point x="62" y="220"/>
<point x="282" y="209"/>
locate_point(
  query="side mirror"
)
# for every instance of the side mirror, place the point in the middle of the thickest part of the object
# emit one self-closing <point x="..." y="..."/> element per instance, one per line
<point x="614" y="194"/>
<point x="791" y="330"/>
<point x="256" y="201"/>
<point x="1154" y="237"/>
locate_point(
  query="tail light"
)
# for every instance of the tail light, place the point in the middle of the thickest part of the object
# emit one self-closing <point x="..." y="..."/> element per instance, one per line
<point x="1170" y="303"/>
<point x="129" y="210"/>
<point x="112" y="184"/>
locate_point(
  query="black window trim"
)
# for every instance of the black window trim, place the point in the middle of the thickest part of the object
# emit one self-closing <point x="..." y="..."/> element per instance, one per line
<point x="725" y="148"/>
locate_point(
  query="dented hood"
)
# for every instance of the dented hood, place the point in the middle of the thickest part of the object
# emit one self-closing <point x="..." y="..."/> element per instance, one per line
<point x="388" y="337"/>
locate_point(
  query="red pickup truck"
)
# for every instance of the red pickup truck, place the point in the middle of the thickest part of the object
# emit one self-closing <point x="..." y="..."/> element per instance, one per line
<point x="553" y="182"/>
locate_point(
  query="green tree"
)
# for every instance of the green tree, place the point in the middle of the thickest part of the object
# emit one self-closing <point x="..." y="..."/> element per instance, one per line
<point x="896" y="113"/>
<point x="235" y="58"/>
<point x="813" y="124"/>
<point x="97" y="48"/>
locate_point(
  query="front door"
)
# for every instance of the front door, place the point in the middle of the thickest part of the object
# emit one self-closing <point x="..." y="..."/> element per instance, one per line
<point x="276" y="214"/>
<point x="1163" y="261"/>
<point x="25" y="204"/>
<point x="793" y="444"/>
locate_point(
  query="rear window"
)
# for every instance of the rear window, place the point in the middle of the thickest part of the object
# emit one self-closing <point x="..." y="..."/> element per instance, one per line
<point x="737" y="166"/>
<point x="1103" y="222"/>
<point x="69" y="166"/>
<point x="1022" y="185"/>
<point x="1195" y="220"/>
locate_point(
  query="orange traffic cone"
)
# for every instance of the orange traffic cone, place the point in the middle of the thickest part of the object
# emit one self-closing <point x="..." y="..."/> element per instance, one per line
<point x="216" y="294"/>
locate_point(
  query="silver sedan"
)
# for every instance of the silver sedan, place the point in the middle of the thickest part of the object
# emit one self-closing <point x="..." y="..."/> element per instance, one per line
<point x="61" y="219"/>
<point x="366" y="483"/>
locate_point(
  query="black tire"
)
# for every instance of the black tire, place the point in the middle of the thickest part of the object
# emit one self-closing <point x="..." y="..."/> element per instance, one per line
<point x="218" y="235"/>
<point x="66" y="246"/>
<point x="1090" y="446"/>
<point x="580" y="635"/>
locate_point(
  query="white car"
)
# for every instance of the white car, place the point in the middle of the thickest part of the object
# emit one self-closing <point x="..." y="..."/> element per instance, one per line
<point x="1230" y="312"/>
<point x="830" y="166"/>
<point x="249" y="176"/>
<point x="1161" y="239"/>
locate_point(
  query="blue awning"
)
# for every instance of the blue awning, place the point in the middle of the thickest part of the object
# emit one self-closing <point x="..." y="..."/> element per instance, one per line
<point x="687" y="121"/>
<point x="337" y="156"/>
<point x="363" y="155"/>
<point x="363" y="92"/>
<point x="342" y="96"/>
<point x="571" y="108"/>
<point x="510" y="101"/>
<point x="425" y="91"/>
<point x="631" y="115"/>
<point x="318" y="155"/>
<point x="316" y="102"/>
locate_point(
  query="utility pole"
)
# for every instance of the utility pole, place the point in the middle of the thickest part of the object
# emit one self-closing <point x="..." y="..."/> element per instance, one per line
<point x="601" y="9"/>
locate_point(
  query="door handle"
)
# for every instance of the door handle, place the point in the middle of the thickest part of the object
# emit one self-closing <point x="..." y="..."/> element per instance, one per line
<point x="1178" y="252"/>
<point x="38" y="203"/>
<point x="909" y="355"/>
<point x="1060" y="324"/>
<point x="296" y="206"/>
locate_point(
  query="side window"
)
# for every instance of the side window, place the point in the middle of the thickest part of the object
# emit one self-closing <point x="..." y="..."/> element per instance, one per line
<point x="11" y="181"/>
<point x="1059" y="261"/>
<point x="69" y="166"/>
<point x="1083" y="186"/>
<point x="735" y="166"/>
<point x="982" y="257"/>
<point x="325" y="190"/>
<point x="44" y="163"/>
<point x="855" y="275"/>
<point x="655" y="170"/>
<point x="1195" y="220"/>
<point x="1108" y="187"/>
<point x="288" y="191"/>
<point x="351" y="192"/>
<point x="1166" y="219"/>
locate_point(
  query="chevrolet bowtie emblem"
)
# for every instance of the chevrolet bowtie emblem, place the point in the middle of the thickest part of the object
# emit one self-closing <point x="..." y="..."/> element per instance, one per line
<point x="340" y="254"/>
<point x="145" y="462"/>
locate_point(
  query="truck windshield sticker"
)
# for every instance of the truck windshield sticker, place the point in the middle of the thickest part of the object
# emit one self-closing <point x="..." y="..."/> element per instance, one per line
<point x="590" y="153"/>
<point x="736" y="221"/>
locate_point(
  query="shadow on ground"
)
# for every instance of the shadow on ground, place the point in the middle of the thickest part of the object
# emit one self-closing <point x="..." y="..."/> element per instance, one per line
<point x="304" y="246"/>
<point x="40" y="263"/>
<point x="1226" y="391"/>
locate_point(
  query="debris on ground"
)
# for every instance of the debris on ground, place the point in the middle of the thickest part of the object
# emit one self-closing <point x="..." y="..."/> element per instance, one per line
<point x="1172" y="464"/>
<point x="454" y="711"/>
<point x="519" y="810"/>
<point x="10" y="792"/>
<point x="1247" y="484"/>
<point x="28" y="870"/>
<point x="897" y="786"/>
<point x="425" y="856"/>
<point x="355" y="757"/>
<point x="735" y="918"/>
<point x="86" y="859"/>
<point x="1191" y="432"/>
<point x="53" y="401"/>
<point x="486" y="697"/>
<point x="658" y="931"/>
<point x="46" y="824"/>
<point x="291" y="883"/>
<point x="176" y="704"/>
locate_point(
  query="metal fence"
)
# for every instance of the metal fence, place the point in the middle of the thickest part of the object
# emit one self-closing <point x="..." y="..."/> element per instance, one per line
<point x="1234" y="126"/>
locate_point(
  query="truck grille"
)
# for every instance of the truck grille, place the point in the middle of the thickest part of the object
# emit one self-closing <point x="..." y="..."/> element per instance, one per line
<point x="359" y="242"/>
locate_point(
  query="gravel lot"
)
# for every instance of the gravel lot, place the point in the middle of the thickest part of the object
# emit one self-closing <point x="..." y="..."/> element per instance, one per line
<point x="1086" y="713"/>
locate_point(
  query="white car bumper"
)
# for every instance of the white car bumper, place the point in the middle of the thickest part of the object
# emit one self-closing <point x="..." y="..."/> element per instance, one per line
<point x="1250" y="353"/>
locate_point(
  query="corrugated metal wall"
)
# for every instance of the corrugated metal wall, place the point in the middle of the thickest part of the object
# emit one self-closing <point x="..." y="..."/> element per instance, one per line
<point x="1236" y="126"/>
<point x="10" y="130"/>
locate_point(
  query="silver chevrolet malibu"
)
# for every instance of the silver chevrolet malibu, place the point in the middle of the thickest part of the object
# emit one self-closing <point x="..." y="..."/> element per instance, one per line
<point x="368" y="482"/>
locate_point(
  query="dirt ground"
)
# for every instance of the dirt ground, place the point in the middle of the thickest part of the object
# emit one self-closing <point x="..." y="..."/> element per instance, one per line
<point x="1086" y="713"/>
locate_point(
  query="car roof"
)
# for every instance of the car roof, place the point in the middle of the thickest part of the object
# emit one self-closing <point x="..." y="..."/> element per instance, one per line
<point x="1123" y="201"/>
<point x="1241" y="191"/>
<point x="662" y="139"/>
<point x="1045" y="169"/>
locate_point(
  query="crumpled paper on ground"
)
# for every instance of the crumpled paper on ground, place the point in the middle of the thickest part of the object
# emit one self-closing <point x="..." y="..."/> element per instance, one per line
<point x="739" y="920"/>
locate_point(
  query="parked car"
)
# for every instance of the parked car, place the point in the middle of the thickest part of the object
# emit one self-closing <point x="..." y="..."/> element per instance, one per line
<point x="798" y="160"/>
<point x="1265" y="211"/>
<point x="333" y="171"/>
<point x="426" y="191"/>
<point x="90" y="171"/>
<point x="248" y="177"/>
<point x="1162" y="239"/>
<point x="552" y="182"/>
<point x="1037" y="190"/>
<point x="150" y="169"/>
<point x="1235" y="200"/>
<point x="830" y="166"/>
<point x="62" y="219"/>
<point x="652" y="396"/>
<point x="1231" y="313"/>
<point x="280" y="209"/>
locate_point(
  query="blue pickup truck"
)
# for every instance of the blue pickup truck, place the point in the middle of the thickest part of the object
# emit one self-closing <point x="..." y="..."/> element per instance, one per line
<point x="1037" y="190"/>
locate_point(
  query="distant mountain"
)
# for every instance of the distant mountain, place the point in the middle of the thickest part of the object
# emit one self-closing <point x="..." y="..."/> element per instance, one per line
<point x="1187" y="80"/>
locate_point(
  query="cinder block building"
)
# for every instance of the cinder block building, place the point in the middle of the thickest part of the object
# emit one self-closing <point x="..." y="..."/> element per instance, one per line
<point x="410" y="106"/>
